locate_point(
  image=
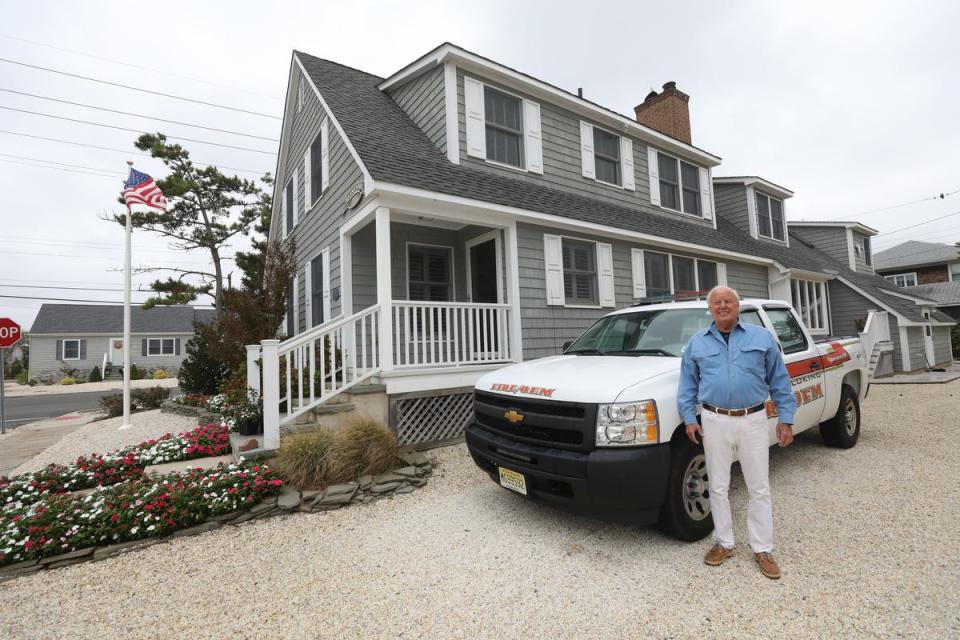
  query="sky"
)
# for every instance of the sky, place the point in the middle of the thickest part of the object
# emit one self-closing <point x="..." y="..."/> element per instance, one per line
<point x="851" y="105"/>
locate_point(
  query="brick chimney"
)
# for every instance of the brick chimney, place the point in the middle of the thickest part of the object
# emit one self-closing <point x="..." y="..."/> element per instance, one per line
<point x="667" y="112"/>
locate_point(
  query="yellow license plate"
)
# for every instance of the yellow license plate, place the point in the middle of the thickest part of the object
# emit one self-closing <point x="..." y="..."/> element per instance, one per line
<point x="513" y="480"/>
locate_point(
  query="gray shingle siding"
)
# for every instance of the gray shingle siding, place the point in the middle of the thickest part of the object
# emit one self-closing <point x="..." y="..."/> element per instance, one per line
<point x="561" y="158"/>
<point x="918" y="353"/>
<point x="318" y="227"/>
<point x="423" y="100"/>
<point x="731" y="202"/>
<point x="941" y="345"/>
<point x="364" y="249"/>
<point x="750" y="280"/>
<point x="898" y="363"/>
<point x="861" y="262"/>
<point x="846" y="306"/>
<point x="830" y="240"/>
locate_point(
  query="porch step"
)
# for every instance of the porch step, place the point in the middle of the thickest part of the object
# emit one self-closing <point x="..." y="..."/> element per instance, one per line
<point x="237" y="441"/>
<point x="364" y="389"/>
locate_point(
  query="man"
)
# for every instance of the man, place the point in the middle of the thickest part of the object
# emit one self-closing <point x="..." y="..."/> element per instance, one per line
<point x="730" y="368"/>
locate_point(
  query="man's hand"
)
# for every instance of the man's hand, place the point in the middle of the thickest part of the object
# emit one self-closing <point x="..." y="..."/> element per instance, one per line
<point x="692" y="430"/>
<point x="784" y="434"/>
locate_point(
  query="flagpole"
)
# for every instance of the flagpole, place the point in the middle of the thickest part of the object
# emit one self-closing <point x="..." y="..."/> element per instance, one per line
<point x="126" y="318"/>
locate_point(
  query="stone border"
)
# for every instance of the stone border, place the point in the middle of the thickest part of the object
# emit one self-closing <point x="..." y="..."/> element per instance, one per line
<point x="366" y="489"/>
<point x="169" y="406"/>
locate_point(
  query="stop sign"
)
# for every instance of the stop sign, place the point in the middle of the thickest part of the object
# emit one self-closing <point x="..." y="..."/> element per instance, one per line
<point x="9" y="333"/>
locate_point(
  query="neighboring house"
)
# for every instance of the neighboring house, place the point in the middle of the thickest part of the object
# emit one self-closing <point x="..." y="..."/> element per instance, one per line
<point x="946" y="295"/>
<point x="460" y="215"/>
<point x="79" y="337"/>
<point x="914" y="263"/>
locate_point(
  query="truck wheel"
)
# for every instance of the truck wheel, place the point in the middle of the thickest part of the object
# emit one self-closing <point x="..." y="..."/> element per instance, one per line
<point x="686" y="512"/>
<point x="843" y="430"/>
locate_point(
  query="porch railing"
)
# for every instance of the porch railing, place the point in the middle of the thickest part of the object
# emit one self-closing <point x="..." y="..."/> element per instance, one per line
<point x="875" y="330"/>
<point x="306" y="370"/>
<point x="444" y="334"/>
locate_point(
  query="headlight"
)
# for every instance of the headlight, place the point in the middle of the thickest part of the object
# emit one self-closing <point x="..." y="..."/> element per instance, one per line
<point x="627" y="424"/>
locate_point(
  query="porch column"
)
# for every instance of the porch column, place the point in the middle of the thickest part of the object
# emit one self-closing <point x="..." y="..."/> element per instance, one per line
<point x="346" y="274"/>
<point x="513" y="291"/>
<point x="384" y="289"/>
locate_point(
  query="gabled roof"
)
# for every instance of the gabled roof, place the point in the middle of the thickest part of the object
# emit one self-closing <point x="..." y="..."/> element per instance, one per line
<point x="396" y="151"/>
<point x="914" y="253"/>
<point x="92" y="319"/>
<point x="848" y="224"/>
<point x="772" y="187"/>
<point x="945" y="294"/>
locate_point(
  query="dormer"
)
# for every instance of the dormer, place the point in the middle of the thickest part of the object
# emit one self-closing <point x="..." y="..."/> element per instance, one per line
<point x="755" y="206"/>
<point x="846" y="242"/>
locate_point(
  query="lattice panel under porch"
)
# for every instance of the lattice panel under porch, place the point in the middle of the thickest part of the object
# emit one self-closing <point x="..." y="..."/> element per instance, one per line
<point x="432" y="418"/>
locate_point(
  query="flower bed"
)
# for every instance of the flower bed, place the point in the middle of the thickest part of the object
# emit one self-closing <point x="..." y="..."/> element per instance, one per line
<point x="123" y="465"/>
<point x="128" y="511"/>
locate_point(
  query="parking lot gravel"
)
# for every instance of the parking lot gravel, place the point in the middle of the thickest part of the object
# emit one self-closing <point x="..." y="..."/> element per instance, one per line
<point x="867" y="540"/>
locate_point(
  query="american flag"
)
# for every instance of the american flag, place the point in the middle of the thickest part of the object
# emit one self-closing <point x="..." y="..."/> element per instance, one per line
<point x="141" y="189"/>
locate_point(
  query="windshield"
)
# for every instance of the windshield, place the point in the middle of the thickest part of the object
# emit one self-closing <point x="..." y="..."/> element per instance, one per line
<point x="663" y="332"/>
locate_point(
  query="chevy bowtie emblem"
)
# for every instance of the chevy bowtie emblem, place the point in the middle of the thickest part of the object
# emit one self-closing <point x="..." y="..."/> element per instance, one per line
<point x="513" y="417"/>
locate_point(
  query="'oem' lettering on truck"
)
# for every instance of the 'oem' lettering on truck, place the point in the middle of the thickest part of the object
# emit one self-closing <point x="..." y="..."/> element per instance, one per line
<point x="597" y="430"/>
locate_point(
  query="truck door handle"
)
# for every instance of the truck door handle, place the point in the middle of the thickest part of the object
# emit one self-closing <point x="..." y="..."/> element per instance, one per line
<point x="815" y="364"/>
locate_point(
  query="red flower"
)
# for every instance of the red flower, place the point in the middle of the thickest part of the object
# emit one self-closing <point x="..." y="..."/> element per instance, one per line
<point x="114" y="518"/>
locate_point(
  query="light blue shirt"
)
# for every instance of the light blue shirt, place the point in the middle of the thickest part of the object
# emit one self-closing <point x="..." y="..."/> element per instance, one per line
<point x="735" y="376"/>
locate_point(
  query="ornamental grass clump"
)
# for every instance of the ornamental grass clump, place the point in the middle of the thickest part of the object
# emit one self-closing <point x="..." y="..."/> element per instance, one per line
<point x="363" y="447"/>
<point x="304" y="458"/>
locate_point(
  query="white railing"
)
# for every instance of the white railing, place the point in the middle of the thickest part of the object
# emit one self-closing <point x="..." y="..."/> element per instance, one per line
<point x="875" y="330"/>
<point x="309" y="369"/>
<point x="445" y="334"/>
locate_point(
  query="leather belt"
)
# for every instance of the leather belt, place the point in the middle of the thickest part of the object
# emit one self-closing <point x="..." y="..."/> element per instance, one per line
<point x="733" y="412"/>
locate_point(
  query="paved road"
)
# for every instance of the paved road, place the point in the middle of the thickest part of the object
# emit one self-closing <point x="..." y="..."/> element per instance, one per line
<point x="24" y="409"/>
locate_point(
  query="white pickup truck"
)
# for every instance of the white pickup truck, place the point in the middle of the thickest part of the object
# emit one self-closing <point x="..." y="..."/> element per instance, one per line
<point x="597" y="430"/>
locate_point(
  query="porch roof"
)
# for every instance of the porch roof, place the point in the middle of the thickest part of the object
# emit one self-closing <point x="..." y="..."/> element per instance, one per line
<point x="395" y="150"/>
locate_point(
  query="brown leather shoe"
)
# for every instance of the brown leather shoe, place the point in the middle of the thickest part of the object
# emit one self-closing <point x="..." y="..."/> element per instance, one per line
<point x="768" y="566"/>
<point x="717" y="555"/>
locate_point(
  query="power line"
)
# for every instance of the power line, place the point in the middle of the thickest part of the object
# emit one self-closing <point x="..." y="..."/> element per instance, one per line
<point x="137" y="115"/>
<point x="36" y="286"/>
<point x="113" y="126"/>
<point x="41" y="166"/>
<point x="108" y="258"/>
<point x="65" y="164"/>
<point x="91" y="245"/>
<point x="136" y="66"/>
<point x="939" y="196"/>
<point x="62" y="299"/>
<point x="125" y="86"/>
<point x="919" y="224"/>
<point x="123" y="151"/>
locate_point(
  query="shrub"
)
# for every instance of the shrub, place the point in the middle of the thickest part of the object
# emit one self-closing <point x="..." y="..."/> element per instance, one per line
<point x="150" y="397"/>
<point x="200" y="372"/>
<point x="113" y="405"/>
<point x="68" y="380"/>
<point x="95" y="374"/>
<point x="304" y="458"/>
<point x="159" y="374"/>
<point x="21" y="378"/>
<point x="136" y="373"/>
<point x="362" y="447"/>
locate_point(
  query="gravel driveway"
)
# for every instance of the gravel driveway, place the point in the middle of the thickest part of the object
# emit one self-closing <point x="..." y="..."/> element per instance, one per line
<point x="867" y="539"/>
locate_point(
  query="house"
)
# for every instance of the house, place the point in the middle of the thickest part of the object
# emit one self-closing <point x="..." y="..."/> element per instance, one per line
<point x="927" y="269"/>
<point x="74" y="338"/>
<point x="461" y="215"/>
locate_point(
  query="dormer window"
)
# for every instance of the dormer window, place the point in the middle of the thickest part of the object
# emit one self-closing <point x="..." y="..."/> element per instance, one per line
<point x="770" y="217"/>
<point x="606" y="155"/>
<point x="679" y="185"/>
<point x="504" y="126"/>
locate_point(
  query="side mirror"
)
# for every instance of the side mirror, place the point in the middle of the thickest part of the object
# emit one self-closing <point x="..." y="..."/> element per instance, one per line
<point x="566" y="345"/>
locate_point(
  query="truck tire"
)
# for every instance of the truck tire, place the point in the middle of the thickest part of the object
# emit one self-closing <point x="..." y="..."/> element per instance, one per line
<point x="843" y="430"/>
<point x="685" y="513"/>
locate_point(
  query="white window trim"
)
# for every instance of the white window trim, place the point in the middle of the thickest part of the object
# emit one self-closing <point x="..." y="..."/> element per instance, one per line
<point x="892" y="277"/>
<point x="783" y="214"/>
<point x="324" y="255"/>
<point x="625" y="148"/>
<point x="700" y="187"/>
<point x="498" y="252"/>
<point x="639" y="270"/>
<point x="528" y="134"/>
<point x="453" y="268"/>
<point x="816" y="320"/>
<point x="283" y="204"/>
<point x="173" y="348"/>
<point x="611" y="277"/>
<point x="950" y="277"/>
<point x="63" y="352"/>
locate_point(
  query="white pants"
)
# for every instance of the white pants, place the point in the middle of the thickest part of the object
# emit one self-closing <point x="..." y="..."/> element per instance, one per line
<point x="746" y="438"/>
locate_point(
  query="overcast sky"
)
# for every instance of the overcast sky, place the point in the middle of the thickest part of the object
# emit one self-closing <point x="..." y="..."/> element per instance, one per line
<point x="853" y="106"/>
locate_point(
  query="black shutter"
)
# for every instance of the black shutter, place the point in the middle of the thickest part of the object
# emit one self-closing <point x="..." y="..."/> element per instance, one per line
<point x="176" y="347"/>
<point x="59" y="349"/>
<point x="83" y="349"/>
<point x="143" y="347"/>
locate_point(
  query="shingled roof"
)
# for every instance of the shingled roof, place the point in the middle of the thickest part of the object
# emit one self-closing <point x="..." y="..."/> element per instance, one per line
<point x="91" y="319"/>
<point x="395" y="150"/>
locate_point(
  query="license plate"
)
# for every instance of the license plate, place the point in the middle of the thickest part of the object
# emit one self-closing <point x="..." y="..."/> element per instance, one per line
<point x="513" y="480"/>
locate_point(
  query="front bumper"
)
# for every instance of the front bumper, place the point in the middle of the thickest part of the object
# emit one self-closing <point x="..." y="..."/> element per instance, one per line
<point x="621" y="484"/>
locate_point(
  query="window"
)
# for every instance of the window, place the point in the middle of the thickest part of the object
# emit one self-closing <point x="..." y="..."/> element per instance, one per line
<point x="810" y="300"/>
<point x="667" y="275"/>
<point x="288" y="205"/>
<point x="770" y="217"/>
<point x="504" y="127"/>
<point x="160" y="347"/>
<point x="316" y="169"/>
<point x="751" y="316"/>
<point x="679" y="185"/>
<point x="867" y="257"/>
<point x="955" y="272"/>
<point x="580" y="272"/>
<point x="428" y="273"/>
<point x="903" y="279"/>
<point x="71" y="349"/>
<point x="787" y="329"/>
<point x="316" y="295"/>
<point x="606" y="156"/>
<point x="661" y="332"/>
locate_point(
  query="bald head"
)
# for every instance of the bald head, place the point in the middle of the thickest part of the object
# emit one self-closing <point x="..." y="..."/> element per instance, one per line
<point x="722" y="289"/>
